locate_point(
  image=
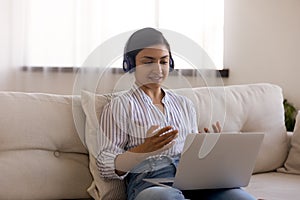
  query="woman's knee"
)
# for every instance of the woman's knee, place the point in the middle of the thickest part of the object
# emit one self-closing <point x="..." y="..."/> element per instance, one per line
<point x="160" y="193"/>
<point x="234" y="194"/>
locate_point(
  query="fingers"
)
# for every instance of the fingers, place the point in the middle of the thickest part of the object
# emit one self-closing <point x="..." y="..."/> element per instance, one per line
<point x="219" y="127"/>
<point x="206" y="130"/>
<point x="163" y="138"/>
<point x="216" y="128"/>
<point x="157" y="139"/>
<point x="163" y="131"/>
<point x="151" y="130"/>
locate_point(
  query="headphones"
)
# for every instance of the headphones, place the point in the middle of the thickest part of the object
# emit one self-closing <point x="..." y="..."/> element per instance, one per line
<point x="152" y="36"/>
<point x="129" y="63"/>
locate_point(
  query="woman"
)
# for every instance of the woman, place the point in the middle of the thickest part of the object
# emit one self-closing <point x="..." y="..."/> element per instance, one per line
<point x="146" y="127"/>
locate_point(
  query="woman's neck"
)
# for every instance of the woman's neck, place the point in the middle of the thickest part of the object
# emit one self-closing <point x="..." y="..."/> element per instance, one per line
<point x="155" y="93"/>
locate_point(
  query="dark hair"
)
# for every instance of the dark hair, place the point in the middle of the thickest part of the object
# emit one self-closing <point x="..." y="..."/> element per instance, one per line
<point x="138" y="41"/>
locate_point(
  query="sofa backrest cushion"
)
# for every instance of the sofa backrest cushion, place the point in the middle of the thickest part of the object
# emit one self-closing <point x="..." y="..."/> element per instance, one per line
<point x="42" y="156"/>
<point x="246" y="108"/>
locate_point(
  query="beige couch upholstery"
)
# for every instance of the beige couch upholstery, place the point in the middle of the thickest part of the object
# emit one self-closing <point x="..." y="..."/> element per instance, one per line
<point x="44" y="141"/>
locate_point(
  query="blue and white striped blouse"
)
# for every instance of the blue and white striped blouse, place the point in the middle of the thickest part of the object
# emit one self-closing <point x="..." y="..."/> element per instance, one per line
<point x="126" y="119"/>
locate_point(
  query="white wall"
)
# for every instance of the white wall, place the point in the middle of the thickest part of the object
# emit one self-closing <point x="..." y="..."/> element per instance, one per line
<point x="262" y="44"/>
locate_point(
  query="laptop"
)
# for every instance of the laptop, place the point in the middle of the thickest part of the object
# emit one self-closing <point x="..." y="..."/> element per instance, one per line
<point x="215" y="160"/>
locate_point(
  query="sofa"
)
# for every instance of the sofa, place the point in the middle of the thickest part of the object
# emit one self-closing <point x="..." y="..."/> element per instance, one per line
<point x="47" y="141"/>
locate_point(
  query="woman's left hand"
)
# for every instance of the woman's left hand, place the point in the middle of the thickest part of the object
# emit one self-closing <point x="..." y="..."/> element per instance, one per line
<point x="216" y="128"/>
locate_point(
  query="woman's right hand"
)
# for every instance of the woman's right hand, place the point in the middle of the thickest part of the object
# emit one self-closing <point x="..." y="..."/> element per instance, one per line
<point x="157" y="141"/>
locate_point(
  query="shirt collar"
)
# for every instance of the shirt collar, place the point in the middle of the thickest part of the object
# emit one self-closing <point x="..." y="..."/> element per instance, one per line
<point x="135" y="89"/>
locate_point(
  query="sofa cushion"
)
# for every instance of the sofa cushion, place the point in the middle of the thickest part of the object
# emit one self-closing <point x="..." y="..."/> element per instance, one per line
<point x="274" y="186"/>
<point x="42" y="156"/>
<point x="292" y="164"/>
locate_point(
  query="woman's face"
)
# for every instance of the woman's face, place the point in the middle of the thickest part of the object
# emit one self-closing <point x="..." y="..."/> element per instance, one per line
<point x="152" y="66"/>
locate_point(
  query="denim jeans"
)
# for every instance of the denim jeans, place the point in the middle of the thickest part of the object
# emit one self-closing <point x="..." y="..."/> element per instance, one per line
<point x="164" y="167"/>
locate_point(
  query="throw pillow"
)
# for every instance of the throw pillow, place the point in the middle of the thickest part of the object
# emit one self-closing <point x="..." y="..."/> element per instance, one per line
<point x="100" y="188"/>
<point x="292" y="164"/>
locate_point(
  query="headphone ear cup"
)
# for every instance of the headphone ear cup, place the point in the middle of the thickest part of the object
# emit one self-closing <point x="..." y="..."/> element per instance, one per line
<point x="128" y="64"/>
<point x="125" y="65"/>
<point x="171" y="64"/>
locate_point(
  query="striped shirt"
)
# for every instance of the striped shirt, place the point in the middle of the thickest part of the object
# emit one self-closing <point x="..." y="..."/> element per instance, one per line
<point x="126" y="119"/>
